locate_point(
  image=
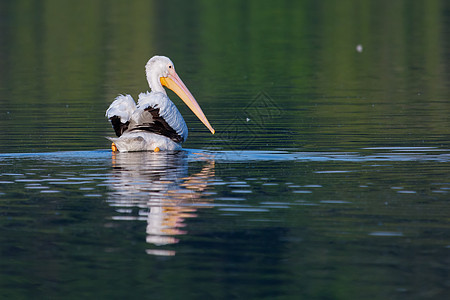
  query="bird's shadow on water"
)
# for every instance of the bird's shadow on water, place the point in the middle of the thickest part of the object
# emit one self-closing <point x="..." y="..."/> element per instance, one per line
<point x="157" y="188"/>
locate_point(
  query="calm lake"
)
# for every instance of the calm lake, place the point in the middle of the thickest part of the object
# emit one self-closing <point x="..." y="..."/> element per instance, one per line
<point x="328" y="176"/>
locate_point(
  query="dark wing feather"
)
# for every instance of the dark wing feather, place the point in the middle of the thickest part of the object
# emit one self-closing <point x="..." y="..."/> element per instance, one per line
<point x="122" y="108"/>
<point x="118" y="126"/>
<point x="158" y="125"/>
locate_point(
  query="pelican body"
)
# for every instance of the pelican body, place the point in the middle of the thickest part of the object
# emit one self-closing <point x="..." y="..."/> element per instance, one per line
<point x="154" y="123"/>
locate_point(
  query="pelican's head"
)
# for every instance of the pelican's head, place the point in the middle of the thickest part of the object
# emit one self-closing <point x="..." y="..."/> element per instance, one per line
<point x="160" y="72"/>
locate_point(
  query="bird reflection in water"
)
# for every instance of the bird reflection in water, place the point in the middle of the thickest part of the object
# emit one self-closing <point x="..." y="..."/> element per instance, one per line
<point x="157" y="186"/>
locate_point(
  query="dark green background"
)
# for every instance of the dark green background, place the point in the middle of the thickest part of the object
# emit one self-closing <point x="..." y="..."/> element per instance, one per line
<point x="63" y="62"/>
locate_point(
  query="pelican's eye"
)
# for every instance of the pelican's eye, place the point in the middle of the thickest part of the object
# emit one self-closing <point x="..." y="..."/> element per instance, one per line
<point x="170" y="66"/>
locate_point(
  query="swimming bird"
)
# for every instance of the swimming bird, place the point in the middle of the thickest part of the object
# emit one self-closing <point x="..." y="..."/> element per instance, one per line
<point x="155" y="123"/>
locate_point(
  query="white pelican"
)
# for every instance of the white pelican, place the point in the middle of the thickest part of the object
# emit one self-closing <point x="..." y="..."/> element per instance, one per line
<point x="155" y="123"/>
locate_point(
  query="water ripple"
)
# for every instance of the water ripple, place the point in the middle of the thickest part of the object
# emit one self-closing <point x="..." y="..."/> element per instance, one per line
<point x="386" y="233"/>
<point x="375" y="154"/>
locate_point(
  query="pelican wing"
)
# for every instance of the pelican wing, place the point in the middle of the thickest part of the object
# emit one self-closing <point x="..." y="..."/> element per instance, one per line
<point x="155" y="113"/>
<point x="166" y="119"/>
<point x="149" y="119"/>
<point x="120" y="112"/>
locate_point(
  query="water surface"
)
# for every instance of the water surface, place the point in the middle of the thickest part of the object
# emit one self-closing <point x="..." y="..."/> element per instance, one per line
<point x="260" y="223"/>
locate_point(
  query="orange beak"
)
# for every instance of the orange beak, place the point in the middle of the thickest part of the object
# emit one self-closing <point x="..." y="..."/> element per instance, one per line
<point x="174" y="82"/>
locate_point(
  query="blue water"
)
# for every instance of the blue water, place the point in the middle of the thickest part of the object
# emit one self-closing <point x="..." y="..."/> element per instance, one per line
<point x="261" y="223"/>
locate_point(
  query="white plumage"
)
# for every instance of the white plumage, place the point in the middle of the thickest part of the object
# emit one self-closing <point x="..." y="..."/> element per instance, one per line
<point x="154" y="123"/>
<point x="123" y="107"/>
